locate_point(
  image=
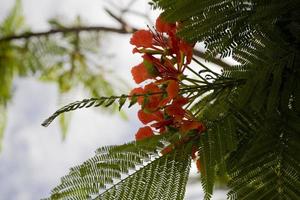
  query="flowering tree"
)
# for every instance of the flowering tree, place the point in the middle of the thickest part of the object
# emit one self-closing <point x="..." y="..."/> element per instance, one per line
<point x="242" y="124"/>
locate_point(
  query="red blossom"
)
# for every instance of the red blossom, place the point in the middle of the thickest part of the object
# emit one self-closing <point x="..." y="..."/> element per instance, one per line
<point x="187" y="50"/>
<point x="172" y="89"/>
<point x="198" y="164"/>
<point x="165" y="27"/>
<point x="153" y="101"/>
<point x="165" y="57"/>
<point x="167" y="150"/>
<point x="175" y="111"/>
<point x="140" y="73"/>
<point x="146" y="118"/>
<point x="162" y="124"/>
<point x="188" y="125"/>
<point x="142" y="38"/>
<point x="137" y="91"/>
<point x="144" y="132"/>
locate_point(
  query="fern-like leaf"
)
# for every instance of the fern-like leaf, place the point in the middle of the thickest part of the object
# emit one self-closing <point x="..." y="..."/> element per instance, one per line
<point x="118" y="172"/>
<point x="93" y="102"/>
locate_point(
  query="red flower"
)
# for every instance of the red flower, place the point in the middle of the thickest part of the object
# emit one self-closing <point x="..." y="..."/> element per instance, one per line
<point x="162" y="124"/>
<point x="149" y="66"/>
<point x="165" y="57"/>
<point x="140" y="73"/>
<point x="146" y="118"/>
<point x="164" y="27"/>
<point x="198" y="164"/>
<point x="180" y="101"/>
<point x="144" y="132"/>
<point x="142" y="38"/>
<point x="194" y="152"/>
<point x="153" y="101"/>
<point x="163" y="69"/>
<point x="188" y="125"/>
<point x="175" y="111"/>
<point x="139" y="90"/>
<point x="187" y="49"/>
<point x="172" y="89"/>
<point x="167" y="150"/>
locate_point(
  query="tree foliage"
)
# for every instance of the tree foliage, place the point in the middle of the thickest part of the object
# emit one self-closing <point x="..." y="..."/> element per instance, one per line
<point x="262" y="115"/>
<point x="251" y="111"/>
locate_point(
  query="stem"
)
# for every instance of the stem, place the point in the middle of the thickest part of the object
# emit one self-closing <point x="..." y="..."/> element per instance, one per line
<point x="194" y="81"/>
<point x="216" y="61"/>
<point x="198" y="62"/>
<point x="196" y="74"/>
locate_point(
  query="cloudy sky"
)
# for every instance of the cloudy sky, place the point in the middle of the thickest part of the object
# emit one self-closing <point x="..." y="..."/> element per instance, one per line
<point x="33" y="157"/>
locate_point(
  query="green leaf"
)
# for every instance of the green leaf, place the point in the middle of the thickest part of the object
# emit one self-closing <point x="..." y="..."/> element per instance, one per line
<point x="133" y="100"/>
<point x="86" y="103"/>
<point x="14" y="21"/>
<point x="110" y="101"/>
<point x="122" y="101"/>
<point x="163" y="177"/>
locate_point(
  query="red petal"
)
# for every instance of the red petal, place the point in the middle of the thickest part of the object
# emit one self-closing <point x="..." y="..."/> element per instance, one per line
<point x="142" y="38"/>
<point x="166" y="150"/>
<point x="190" y="125"/>
<point x="164" y="27"/>
<point x="144" y="132"/>
<point x="187" y="49"/>
<point x="198" y="164"/>
<point x="140" y="73"/>
<point x="172" y="89"/>
<point x="153" y="101"/>
<point x="180" y="101"/>
<point x="138" y="90"/>
<point x="135" y="50"/>
<point x="146" y="118"/>
<point x="162" y="124"/>
<point x="175" y="111"/>
<point x="164" y="102"/>
<point x="152" y="88"/>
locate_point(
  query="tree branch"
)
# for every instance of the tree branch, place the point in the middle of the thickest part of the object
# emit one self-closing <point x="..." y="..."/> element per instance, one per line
<point x="29" y="35"/>
<point x="122" y="30"/>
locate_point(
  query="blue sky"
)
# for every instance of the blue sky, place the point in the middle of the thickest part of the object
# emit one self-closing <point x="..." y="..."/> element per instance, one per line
<point x="33" y="157"/>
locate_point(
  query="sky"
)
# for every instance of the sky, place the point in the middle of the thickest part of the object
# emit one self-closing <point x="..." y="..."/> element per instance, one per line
<point x="33" y="157"/>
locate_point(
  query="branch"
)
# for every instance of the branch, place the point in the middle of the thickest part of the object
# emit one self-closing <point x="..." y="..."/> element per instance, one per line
<point x="123" y="30"/>
<point x="29" y="35"/>
<point x="124" y="25"/>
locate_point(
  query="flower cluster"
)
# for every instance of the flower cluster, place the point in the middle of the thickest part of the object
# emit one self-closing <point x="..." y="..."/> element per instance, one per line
<point x="165" y="58"/>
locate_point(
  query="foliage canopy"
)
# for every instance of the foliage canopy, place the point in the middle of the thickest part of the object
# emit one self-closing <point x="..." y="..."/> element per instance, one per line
<point x="251" y="112"/>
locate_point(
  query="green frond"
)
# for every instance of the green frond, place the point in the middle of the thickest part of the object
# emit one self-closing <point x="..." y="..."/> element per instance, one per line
<point x="268" y="168"/>
<point x="93" y="102"/>
<point x="163" y="178"/>
<point x="134" y="170"/>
